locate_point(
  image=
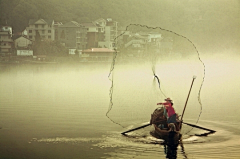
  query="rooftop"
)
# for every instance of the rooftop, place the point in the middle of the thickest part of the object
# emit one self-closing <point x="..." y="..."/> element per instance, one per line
<point x="33" y="21"/>
<point x="88" y="24"/>
<point x="71" y="24"/>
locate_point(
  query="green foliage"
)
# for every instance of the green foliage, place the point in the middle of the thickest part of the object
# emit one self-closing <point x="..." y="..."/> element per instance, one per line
<point x="37" y="37"/>
<point x="50" y="48"/>
<point x="76" y="52"/>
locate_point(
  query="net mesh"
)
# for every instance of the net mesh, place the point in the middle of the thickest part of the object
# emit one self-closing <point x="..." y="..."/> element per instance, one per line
<point x="150" y="64"/>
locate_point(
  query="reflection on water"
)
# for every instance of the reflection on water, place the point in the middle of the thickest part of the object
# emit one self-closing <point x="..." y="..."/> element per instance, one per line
<point x="189" y="147"/>
<point x="171" y="151"/>
<point x="61" y="110"/>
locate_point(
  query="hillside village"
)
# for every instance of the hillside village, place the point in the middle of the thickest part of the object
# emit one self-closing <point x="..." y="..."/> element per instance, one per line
<point x="96" y="41"/>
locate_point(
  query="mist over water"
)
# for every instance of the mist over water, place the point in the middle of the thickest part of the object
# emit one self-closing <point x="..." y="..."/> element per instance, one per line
<point x="76" y="110"/>
<point x="221" y="86"/>
<point x="60" y="107"/>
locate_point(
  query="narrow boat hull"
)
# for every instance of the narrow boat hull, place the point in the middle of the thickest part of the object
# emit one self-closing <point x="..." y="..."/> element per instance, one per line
<point x="168" y="132"/>
<point x="166" y="135"/>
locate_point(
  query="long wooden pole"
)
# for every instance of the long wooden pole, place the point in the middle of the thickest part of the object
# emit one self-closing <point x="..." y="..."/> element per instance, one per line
<point x="199" y="127"/>
<point x="194" y="77"/>
<point x="140" y="127"/>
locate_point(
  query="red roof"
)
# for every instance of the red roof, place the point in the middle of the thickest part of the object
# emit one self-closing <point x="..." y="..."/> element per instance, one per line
<point x="98" y="50"/>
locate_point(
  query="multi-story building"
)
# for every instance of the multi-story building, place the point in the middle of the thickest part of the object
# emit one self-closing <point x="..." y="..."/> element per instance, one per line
<point x="6" y="42"/>
<point x="101" y="33"/>
<point x="136" y="41"/>
<point x="56" y="25"/>
<point x="92" y="34"/>
<point x="109" y="29"/>
<point x="73" y="36"/>
<point x="154" y="39"/>
<point x="44" y="27"/>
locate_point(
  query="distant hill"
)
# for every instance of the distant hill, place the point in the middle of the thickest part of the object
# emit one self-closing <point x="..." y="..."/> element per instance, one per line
<point x="213" y="20"/>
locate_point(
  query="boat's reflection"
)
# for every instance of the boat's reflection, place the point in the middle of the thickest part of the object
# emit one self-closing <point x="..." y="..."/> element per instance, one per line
<point x="171" y="148"/>
<point x="170" y="151"/>
<point x="182" y="149"/>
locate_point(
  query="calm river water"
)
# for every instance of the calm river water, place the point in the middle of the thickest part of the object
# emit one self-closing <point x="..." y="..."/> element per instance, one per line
<point x="56" y="111"/>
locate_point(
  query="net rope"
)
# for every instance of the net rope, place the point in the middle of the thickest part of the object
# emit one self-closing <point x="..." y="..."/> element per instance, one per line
<point x="111" y="72"/>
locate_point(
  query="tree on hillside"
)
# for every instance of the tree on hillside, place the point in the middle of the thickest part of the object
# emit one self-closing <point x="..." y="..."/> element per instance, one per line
<point x="50" y="48"/>
<point x="198" y="20"/>
<point x="37" y="37"/>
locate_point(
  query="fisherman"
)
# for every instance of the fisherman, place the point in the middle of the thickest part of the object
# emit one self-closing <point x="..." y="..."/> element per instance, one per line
<point x="171" y="115"/>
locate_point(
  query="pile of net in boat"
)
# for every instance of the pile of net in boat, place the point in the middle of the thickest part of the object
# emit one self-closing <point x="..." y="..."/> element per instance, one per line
<point x="158" y="117"/>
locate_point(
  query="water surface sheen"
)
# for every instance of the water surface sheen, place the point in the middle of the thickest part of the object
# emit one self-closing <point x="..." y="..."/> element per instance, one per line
<point x="59" y="111"/>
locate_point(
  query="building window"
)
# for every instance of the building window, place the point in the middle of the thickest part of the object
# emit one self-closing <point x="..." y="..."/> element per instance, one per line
<point x="30" y="37"/>
<point x="30" y="31"/>
<point x="49" y="37"/>
<point x="49" y="31"/>
<point x="36" y="26"/>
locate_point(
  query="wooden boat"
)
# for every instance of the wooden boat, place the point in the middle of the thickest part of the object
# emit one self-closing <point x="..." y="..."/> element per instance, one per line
<point x="163" y="130"/>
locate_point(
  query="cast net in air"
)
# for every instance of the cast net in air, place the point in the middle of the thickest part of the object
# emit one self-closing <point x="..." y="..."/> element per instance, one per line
<point x="149" y="65"/>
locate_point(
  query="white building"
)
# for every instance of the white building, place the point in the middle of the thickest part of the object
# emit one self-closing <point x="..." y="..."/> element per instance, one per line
<point x="24" y="52"/>
<point x="44" y="27"/>
<point x="22" y="42"/>
<point x="109" y="30"/>
<point x="6" y="42"/>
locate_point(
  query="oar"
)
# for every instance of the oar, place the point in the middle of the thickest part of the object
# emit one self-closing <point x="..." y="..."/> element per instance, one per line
<point x="192" y="125"/>
<point x="199" y="127"/>
<point x="140" y="127"/>
<point x="143" y="126"/>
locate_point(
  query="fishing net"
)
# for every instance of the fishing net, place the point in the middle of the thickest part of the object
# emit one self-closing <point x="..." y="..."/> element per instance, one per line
<point x="158" y="116"/>
<point x="149" y="65"/>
